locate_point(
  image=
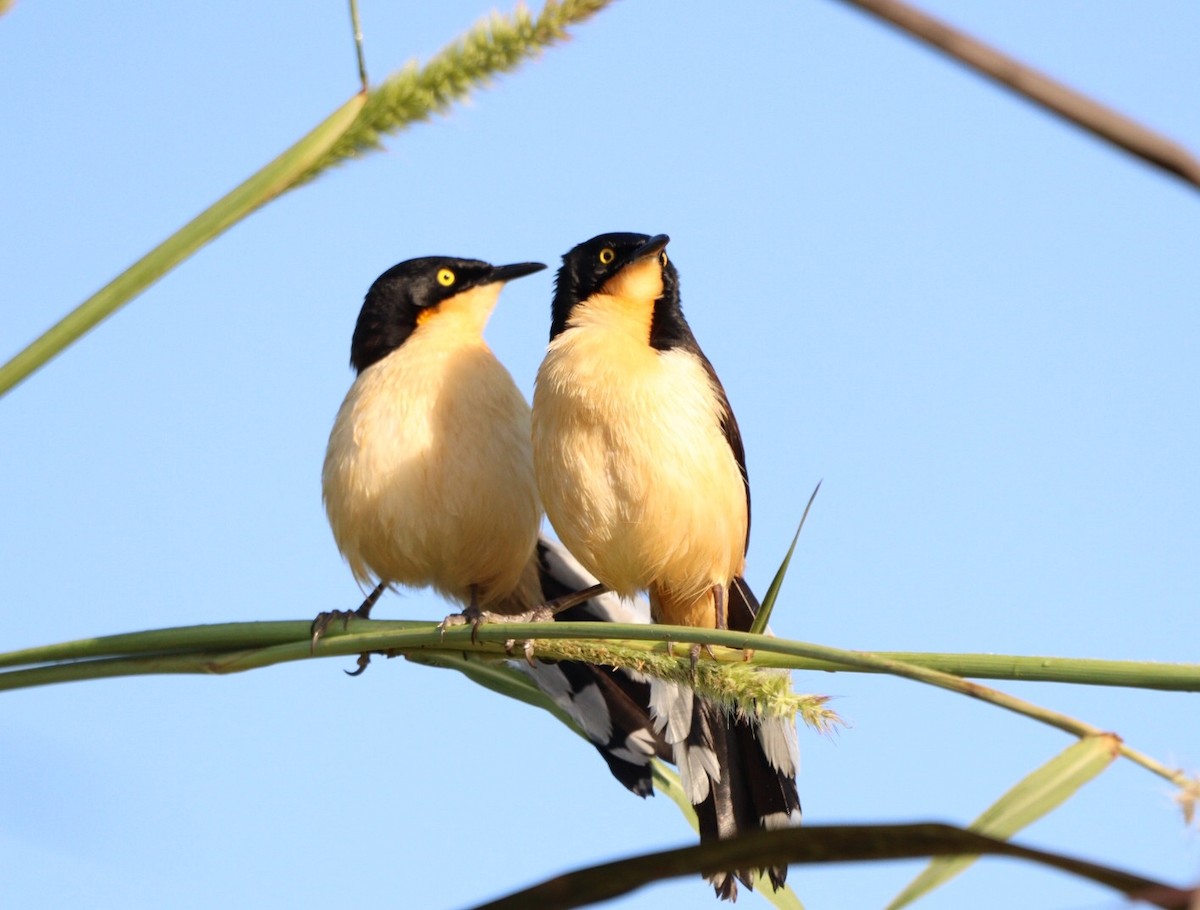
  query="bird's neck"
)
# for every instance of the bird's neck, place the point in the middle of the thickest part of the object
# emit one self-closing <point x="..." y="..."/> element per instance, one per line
<point x="461" y="319"/>
<point x="627" y="318"/>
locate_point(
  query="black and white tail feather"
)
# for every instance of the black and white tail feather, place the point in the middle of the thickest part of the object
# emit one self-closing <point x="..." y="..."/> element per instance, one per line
<point x="739" y="771"/>
<point x="611" y="706"/>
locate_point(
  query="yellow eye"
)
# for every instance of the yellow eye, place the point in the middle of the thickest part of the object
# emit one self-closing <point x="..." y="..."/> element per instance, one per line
<point x="607" y="255"/>
<point x="445" y="277"/>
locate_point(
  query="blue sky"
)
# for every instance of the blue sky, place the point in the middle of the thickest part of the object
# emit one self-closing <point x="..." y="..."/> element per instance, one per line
<point x="976" y="324"/>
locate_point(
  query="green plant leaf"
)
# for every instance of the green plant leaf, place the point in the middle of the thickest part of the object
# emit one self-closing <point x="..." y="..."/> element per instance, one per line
<point x="1034" y="796"/>
<point x="252" y="194"/>
<point x="759" y="626"/>
<point x="497" y="45"/>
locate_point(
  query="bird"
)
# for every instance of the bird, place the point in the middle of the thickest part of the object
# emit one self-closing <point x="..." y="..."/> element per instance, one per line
<point x="428" y="477"/>
<point x="428" y="482"/>
<point x="642" y="471"/>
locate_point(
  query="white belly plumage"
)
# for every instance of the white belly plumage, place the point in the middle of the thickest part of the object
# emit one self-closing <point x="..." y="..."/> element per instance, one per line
<point x="634" y="470"/>
<point x="428" y="477"/>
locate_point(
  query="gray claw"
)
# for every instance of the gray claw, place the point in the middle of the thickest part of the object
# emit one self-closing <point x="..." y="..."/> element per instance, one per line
<point x="473" y="615"/>
<point x="694" y="653"/>
<point x="321" y="624"/>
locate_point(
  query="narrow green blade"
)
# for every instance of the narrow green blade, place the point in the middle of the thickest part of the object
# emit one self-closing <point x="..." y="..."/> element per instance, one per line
<point x="1036" y="795"/>
<point x="255" y="192"/>
<point x="768" y="602"/>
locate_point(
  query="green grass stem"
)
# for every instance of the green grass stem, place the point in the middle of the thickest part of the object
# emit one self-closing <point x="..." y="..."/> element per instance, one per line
<point x="498" y="44"/>
<point x="232" y="648"/>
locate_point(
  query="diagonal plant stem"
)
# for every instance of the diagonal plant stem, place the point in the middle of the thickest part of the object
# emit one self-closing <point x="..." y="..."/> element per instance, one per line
<point x="498" y="45"/>
<point x="1189" y="787"/>
<point x="1075" y="107"/>
<point x="265" y="185"/>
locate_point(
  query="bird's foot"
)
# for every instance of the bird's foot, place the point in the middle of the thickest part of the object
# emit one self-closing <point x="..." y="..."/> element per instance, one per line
<point x="472" y="614"/>
<point x="543" y="613"/>
<point x="526" y="648"/>
<point x="324" y="620"/>
<point x="477" y="617"/>
<point x="321" y="624"/>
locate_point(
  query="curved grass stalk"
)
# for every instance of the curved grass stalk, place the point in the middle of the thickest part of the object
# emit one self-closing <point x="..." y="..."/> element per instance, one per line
<point x="590" y="638"/>
<point x="246" y="646"/>
<point x="265" y="185"/>
<point x="499" y="44"/>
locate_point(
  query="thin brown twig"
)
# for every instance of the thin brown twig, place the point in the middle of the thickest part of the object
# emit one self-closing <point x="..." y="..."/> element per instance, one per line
<point x="1085" y="112"/>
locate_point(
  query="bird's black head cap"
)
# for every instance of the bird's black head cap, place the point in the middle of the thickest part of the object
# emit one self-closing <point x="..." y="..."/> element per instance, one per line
<point x="398" y="296"/>
<point x="589" y="266"/>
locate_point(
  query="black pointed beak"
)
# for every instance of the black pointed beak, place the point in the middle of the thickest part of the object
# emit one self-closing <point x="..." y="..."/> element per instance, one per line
<point x="517" y="270"/>
<point x="651" y="247"/>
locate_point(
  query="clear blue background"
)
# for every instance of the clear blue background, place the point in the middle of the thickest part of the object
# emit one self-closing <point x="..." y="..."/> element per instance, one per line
<point x="978" y="325"/>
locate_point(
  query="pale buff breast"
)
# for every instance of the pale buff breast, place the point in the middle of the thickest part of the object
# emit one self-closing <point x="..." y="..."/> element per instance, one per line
<point x="634" y="470"/>
<point x="428" y="478"/>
